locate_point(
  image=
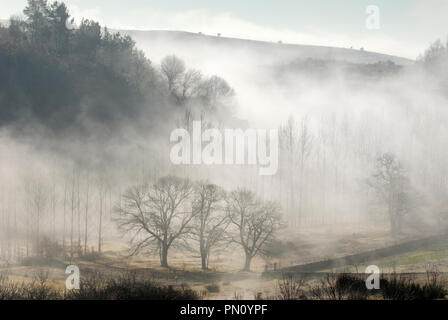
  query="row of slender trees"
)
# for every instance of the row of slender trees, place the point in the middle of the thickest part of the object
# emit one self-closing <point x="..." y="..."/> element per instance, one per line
<point x="176" y="212"/>
<point x="55" y="216"/>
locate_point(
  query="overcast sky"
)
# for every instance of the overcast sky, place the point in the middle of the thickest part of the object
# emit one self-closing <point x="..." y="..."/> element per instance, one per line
<point x="407" y="26"/>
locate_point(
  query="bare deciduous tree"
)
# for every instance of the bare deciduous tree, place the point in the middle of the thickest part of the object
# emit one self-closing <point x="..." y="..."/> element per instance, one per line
<point x="172" y="68"/>
<point x="157" y="216"/>
<point x="305" y="140"/>
<point x="288" y="143"/>
<point x="86" y="217"/>
<point x="211" y="221"/>
<point x="189" y="84"/>
<point x="214" y="91"/>
<point x="72" y="216"/>
<point x="391" y="184"/>
<point x="255" y="221"/>
<point x="101" y="196"/>
<point x="38" y="201"/>
<point x="65" y="216"/>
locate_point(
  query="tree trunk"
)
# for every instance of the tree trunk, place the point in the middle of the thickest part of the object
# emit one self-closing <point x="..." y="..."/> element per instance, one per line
<point x="78" y="246"/>
<point x="398" y="224"/>
<point x="247" y="263"/>
<point x="38" y="233"/>
<point x="64" y="224"/>
<point x="72" y="215"/>
<point x="100" y="226"/>
<point x="204" y="259"/>
<point x="204" y="262"/>
<point x="203" y="254"/>
<point x="53" y="207"/>
<point x="164" y="256"/>
<point x="86" y="217"/>
<point x="392" y="225"/>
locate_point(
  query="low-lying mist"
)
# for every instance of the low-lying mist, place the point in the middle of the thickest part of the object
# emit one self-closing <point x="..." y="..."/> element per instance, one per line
<point x="86" y="115"/>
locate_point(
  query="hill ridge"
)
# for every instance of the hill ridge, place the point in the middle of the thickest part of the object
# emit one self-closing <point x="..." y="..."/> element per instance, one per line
<point x="283" y="50"/>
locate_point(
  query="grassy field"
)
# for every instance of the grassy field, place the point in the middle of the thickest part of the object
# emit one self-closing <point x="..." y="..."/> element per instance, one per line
<point x="224" y="280"/>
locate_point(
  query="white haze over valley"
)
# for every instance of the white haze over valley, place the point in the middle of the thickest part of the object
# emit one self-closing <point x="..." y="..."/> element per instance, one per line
<point x="337" y="110"/>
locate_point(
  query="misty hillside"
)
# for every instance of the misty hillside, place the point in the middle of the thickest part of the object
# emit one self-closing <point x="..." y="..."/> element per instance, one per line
<point x="268" y="50"/>
<point x="91" y="81"/>
<point x="280" y="51"/>
<point x="147" y="151"/>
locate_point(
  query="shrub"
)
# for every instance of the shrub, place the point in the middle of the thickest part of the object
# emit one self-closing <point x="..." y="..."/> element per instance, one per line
<point x="326" y="289"/>
<point x="351" y="286"/>
<point x="50" y="249"/>
<point x="339" y="287"/>
<point x="38" y="289"/>
<point x="213" y="288"/>
<point x="127" y="287"/>
<point x="96" y="287"/>
<point x="402" y="288"/>
<point x="40" y="261"/>
<point x="290" y="288"/>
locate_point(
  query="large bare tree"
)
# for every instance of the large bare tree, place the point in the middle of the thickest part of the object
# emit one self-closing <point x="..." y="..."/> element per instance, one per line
<point x="255" y="221"/>
<point x="189" y="85"/>
<point x="172" y="68"/>
<point x="211" y="220"/>
<point x="391" y="184"/>
<point x="157" y="216"/>
<point x="214" y="91"/>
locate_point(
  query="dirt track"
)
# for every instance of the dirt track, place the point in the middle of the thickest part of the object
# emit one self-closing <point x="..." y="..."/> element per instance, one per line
<point x="366" y="256"/>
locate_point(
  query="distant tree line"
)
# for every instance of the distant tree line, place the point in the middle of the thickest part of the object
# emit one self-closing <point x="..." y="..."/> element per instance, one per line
<point x="321" y="68"/>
